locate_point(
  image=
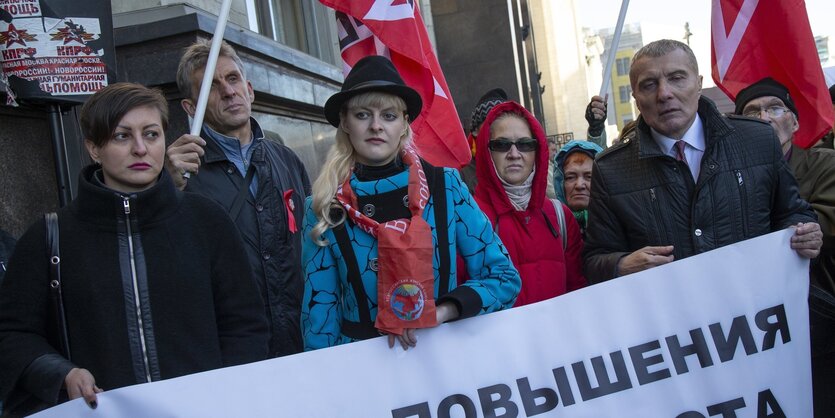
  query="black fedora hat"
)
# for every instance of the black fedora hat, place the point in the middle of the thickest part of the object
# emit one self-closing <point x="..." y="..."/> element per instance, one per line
<point x="373" y="73"/>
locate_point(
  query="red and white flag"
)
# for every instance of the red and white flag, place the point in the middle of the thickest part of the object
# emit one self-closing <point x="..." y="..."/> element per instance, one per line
<point x="754" y="39"/>
<point x="394" y="28"/>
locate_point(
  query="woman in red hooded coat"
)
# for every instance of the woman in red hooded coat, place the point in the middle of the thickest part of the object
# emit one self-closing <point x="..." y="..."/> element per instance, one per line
<point x="512" y="170"/>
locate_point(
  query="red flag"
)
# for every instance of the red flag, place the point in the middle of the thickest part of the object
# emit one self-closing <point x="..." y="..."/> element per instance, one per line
<point x="394" y="28"/>
<point x="754" y="39"/>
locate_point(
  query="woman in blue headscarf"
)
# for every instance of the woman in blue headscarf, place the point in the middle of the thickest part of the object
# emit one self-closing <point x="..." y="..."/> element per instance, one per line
<point x="572" y="177"/>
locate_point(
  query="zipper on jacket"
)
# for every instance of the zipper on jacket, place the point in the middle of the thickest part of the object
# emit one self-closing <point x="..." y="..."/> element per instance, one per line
<point x="126" y="204"/>
<point x="743" y="196"/>
<point x="659" y="222"/>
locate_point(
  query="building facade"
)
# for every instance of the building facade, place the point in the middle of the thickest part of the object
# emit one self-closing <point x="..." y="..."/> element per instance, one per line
<point x="620" y="105"/>
<point x="570" y="65"/>
<point x="487" y="44"/>
<point x="291" y="54"/>
<point x="533" y="49"/>
<point x="290" y="49"/>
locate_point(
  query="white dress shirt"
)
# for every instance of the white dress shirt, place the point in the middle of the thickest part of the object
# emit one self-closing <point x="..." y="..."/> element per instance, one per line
<point x="695" y="149"/>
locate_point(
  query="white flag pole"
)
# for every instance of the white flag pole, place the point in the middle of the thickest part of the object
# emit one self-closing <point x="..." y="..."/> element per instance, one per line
<point x="209" y="72"/>
<point x="613" y="49"/>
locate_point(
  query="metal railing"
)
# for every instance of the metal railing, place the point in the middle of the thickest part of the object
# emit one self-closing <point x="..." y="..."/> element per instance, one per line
<point x="561" y="139"/>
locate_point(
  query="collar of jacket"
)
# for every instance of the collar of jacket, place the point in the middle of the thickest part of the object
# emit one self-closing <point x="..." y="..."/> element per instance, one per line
<point x="489" y="188"/>
<point x="103" y="206"/>
<point x="716" y="127"/>
<point x="799" y="161"/>
<point x="214" y="153"/>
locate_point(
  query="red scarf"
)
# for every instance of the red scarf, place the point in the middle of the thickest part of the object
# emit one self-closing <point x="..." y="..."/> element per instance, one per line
<point x="405" y="280"/>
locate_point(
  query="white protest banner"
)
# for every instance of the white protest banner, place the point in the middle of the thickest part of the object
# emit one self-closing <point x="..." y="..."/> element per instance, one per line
<point x="724" y="334"/>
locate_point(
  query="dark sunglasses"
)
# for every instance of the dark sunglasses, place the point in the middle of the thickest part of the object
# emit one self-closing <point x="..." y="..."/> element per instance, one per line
<point x="504" y="144"/>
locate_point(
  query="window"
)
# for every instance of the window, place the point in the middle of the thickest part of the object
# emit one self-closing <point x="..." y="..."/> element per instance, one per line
<point x="625" y="93"/>
<point x="822" y="44"/>
<point x="623" y="66"/>
<point x="305" y="25"/>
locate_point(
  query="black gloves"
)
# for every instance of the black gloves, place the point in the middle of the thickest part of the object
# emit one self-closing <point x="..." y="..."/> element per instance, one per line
<point x="595" y="125"/>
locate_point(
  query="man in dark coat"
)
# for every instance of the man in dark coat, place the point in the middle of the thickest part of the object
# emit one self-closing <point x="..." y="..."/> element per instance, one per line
<point x="814" y="169"/>
<point x="688" y="180"/>
<point x="260" y="182"/>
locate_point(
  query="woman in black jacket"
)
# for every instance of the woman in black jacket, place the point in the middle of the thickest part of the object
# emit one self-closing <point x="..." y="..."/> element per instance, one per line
<point x="155" y="281"/>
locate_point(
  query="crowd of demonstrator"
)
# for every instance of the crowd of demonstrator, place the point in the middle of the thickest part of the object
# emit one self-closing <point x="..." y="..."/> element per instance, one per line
<point x="217" y="250"/>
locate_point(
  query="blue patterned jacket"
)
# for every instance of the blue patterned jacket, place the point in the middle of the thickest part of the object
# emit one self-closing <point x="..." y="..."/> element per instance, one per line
<point x="329" y="298"/>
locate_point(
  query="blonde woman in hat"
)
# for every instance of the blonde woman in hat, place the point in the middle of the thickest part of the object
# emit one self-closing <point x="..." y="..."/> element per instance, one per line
<point x="382" y="226"/>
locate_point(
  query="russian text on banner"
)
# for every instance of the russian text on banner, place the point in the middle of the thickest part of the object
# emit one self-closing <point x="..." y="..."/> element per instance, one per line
<point x="723" y="333"/>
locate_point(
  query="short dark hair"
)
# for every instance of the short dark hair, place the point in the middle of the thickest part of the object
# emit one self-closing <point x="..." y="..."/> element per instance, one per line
<point x="660" y="48"/>
<point x="195" y="58"/>
<point x="102" y="112"/>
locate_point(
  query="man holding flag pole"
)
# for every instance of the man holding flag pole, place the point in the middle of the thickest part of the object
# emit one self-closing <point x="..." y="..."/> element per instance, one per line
<point x="260" y="182"/>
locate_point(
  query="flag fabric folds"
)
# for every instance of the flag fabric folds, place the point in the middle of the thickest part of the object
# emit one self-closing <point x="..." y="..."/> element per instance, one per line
<point x="754" y="39"/>
<point x="395" y="29"/>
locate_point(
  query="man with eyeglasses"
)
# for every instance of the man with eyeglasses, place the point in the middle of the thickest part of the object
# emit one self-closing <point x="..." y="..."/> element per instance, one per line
<point x="769" y="100"/>
<point x="814" y="170"/>
<point x="688" y="179"/>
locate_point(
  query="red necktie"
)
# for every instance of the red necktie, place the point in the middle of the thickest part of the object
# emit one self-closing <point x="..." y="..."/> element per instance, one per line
<point x="680" y="144"/>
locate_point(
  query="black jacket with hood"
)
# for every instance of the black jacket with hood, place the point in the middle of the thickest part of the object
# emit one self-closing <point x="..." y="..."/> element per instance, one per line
<point x="155" y="285"/>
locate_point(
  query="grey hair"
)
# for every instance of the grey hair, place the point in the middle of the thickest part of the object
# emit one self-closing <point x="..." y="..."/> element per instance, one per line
<point x="195" y="58"/>
<point x="660" y="48"/>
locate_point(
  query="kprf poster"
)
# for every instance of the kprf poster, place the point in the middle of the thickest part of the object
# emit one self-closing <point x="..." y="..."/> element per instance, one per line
<point x="55" y="50"/>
